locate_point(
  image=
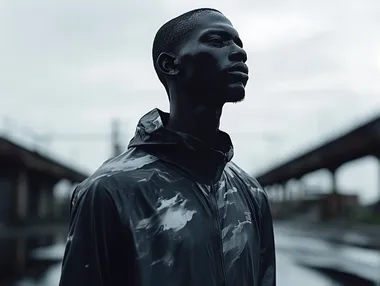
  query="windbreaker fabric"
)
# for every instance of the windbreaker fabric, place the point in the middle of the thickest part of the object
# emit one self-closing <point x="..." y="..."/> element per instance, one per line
<point x="169" y="212"/>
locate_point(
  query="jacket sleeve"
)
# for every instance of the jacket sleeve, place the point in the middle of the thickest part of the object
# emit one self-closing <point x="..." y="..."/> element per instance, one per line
<point x="268" y="253"/>
<point x="98" y="251"/>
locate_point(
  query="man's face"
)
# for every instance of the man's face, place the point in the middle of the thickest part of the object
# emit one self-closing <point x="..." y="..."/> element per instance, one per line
<point x="212" y="61"/>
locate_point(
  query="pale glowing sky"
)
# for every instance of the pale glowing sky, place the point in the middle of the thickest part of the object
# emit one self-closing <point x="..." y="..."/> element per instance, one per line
<point x="71" y="66"/>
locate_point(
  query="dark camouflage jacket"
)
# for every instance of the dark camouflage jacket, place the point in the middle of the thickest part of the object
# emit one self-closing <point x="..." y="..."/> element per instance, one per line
<point x="169" y="212"/>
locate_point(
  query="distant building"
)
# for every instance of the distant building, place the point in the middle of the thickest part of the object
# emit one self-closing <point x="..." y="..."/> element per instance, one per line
<point x="29" y="212"/>
<point x="317" y="207"/>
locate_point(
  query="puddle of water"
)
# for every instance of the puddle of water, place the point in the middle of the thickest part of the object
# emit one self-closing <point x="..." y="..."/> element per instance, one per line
<point x="317" y="253"/>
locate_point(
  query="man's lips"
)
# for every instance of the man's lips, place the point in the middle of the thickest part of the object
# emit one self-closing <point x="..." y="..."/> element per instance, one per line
<point x="240" y="67"/>
<point x="239" y="72"/>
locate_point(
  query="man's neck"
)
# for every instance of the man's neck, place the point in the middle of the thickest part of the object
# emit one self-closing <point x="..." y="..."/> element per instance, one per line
<point x="201" y="122"/>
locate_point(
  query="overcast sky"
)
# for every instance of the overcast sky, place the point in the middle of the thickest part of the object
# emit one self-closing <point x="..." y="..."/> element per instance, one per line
<point x="71" y="66"/>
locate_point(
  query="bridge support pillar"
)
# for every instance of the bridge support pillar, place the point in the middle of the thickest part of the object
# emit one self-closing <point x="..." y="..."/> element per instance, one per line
<point x="45" y="207"/>
<point x="334" y="184"/>
<point x="289" y="190"/>
<point x="22" y="195"/>
<point x="21" y="212"/>
<point x="283" y="192"/>
<point x="44" y="203"/>
<point x="378" y="179"/>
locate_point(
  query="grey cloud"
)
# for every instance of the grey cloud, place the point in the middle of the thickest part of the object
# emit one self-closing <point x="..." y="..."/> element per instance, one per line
<point x="43" y="42"/>
<point x="311" y="56"/>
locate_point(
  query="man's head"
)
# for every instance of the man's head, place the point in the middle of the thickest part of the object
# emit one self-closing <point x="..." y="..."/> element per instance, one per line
<point x="201" y="52"/>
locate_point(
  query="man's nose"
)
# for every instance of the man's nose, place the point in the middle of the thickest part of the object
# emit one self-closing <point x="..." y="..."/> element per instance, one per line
<point x="238" y="55"/>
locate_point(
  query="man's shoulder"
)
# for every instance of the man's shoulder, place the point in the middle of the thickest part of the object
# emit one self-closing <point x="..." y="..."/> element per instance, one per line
<point x="131" y="161"/>
<point x="124" y="171"/>
<point x="254" y="188"/>
<point x="243" y="175"/>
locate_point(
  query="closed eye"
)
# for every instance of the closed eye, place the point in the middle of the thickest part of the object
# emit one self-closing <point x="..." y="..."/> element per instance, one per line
<point x="215" y="40"/>
<point x="221" y="38"/>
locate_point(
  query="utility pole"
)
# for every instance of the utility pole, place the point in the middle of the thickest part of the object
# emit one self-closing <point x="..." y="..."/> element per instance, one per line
<point x="115" y="138"/>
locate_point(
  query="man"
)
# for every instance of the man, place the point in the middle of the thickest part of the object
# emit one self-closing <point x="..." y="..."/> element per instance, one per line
<point x="173" y="209"/>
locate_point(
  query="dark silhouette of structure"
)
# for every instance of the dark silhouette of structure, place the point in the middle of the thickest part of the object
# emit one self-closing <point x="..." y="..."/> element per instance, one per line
<point x="361" y="141"/>
<point x="29" y="216"/>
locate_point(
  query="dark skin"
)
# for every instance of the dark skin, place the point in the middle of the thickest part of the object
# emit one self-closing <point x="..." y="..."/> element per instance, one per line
<point x="206" y="71"/>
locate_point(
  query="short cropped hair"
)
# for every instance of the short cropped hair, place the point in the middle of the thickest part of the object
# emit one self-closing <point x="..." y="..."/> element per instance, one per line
<point x="172" y="33"/>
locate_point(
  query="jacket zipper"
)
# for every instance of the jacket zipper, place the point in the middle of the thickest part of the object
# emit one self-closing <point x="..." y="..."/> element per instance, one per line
<point x="219" y="234"/>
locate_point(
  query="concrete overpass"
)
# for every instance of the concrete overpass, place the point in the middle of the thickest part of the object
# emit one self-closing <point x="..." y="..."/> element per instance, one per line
<point x="29" y="212"/>
<point x="362" y="141"/>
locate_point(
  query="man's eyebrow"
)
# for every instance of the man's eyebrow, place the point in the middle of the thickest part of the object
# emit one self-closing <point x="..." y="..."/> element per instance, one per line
<point x="225" y="34"/>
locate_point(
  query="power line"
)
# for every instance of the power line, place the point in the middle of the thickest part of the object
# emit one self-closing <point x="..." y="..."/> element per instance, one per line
<point x="10" y="127"/>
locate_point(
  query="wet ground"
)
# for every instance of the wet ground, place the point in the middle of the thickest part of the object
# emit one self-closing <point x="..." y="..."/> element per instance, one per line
<point x="300" y="261"/>
<point x="347" y="265"/>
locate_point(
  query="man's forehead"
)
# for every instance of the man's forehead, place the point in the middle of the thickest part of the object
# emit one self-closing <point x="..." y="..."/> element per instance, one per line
<point x="212" y="19"/>
<point x="212" y="22"/>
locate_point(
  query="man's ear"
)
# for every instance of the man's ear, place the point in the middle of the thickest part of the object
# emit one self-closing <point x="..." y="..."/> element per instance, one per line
<point x="167" y="64"/>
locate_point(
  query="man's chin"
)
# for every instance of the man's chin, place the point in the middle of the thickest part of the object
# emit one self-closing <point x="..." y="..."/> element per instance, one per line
<point x="236" y="93"/>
